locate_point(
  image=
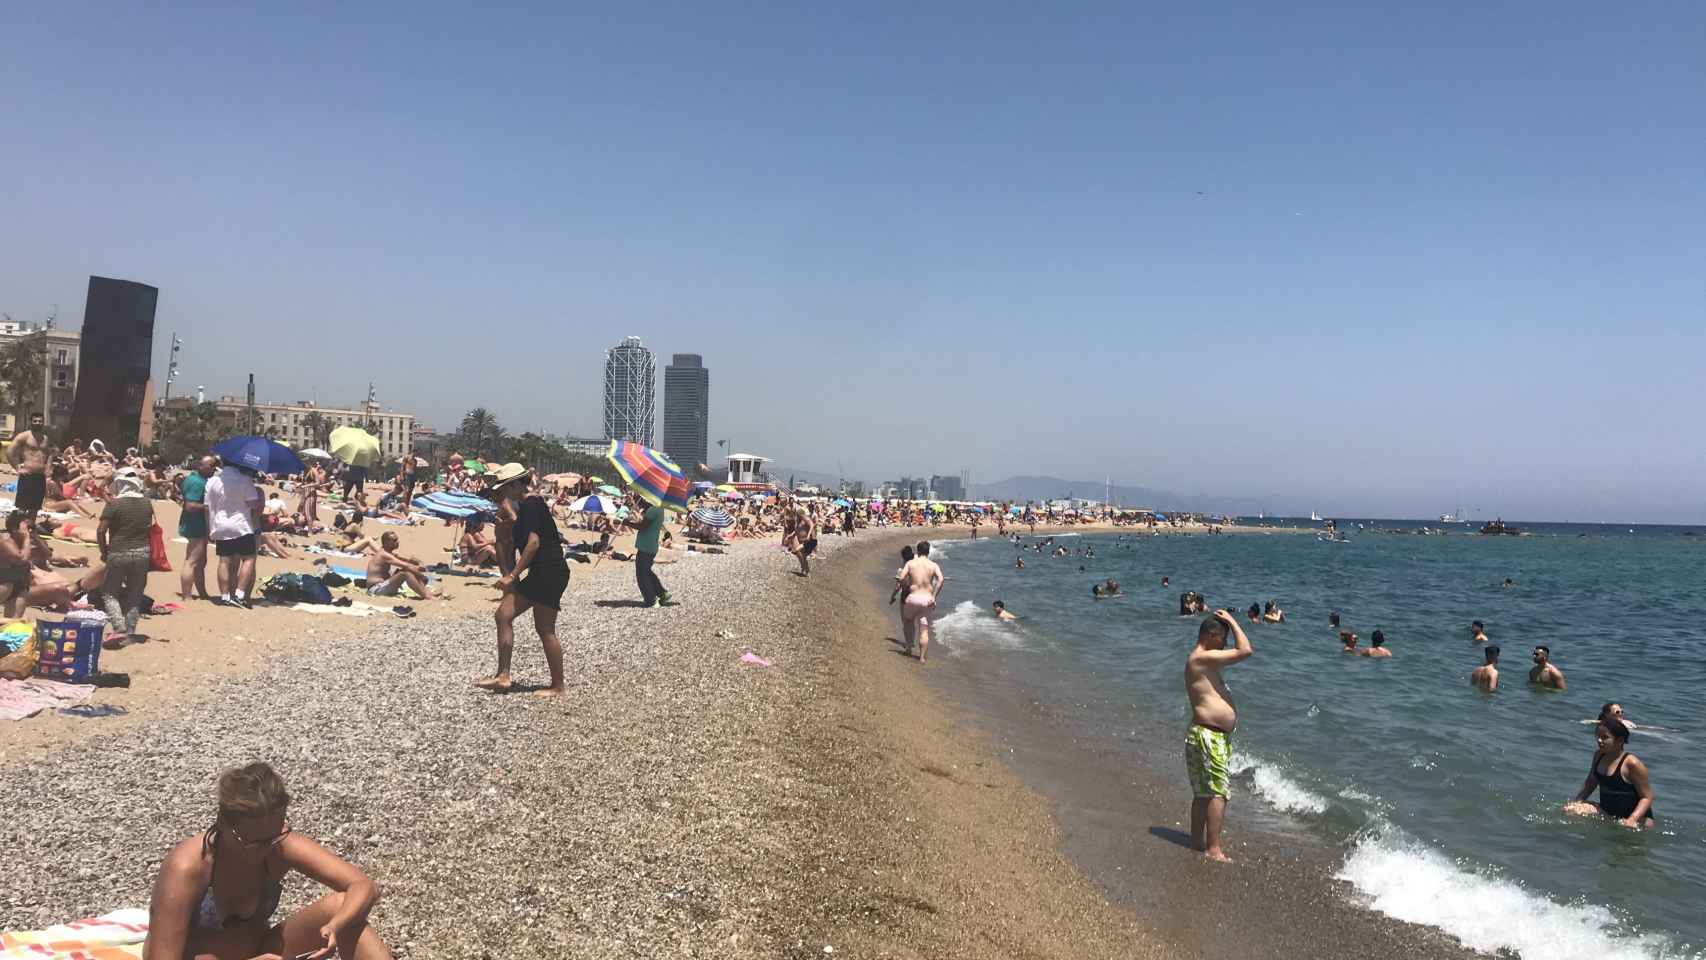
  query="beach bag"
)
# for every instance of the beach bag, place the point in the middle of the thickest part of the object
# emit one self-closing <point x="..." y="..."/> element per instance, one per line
<point x="20" y="639"/>
<point x="283" y="587"/>
<point x="70" y="650"/>
<point x="157" y="561"/>
<point x="314" y="590"/>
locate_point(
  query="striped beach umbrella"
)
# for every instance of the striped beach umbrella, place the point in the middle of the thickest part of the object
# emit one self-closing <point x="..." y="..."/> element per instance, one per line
<point x="592" y="504"/>
<point x="712" y="517"/>
<point x="652" y="475"/>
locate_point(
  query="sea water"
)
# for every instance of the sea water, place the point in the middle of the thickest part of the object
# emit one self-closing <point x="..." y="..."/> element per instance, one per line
<point x="1441" y="803"/>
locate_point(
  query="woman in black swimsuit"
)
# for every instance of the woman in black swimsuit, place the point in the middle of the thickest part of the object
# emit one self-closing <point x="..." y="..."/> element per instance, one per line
<point x="534" y="581"/>
<point x="217" y="891"/>
<point x="1619" y="776"/>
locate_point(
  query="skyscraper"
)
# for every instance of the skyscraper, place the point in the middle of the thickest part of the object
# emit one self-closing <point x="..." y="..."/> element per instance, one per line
<point x="686" y="410"/>
<point x="630" y="392"/>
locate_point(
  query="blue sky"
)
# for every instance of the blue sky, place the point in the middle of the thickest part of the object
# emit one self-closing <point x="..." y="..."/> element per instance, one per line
<point x="1364" y="261"/>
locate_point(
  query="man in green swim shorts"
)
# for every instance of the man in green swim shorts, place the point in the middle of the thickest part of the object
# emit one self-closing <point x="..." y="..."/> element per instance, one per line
<point x="1208" y="742"/>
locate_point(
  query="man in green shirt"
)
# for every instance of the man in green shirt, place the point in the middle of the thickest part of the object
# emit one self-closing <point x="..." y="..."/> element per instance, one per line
<point x="192" y="526"/>
<point x="650" y="524"/>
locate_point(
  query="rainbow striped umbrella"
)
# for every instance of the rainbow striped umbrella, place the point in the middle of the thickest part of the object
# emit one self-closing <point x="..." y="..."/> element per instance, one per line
<point x="651" y="474"/>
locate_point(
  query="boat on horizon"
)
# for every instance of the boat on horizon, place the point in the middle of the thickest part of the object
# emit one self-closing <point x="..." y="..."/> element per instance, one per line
<point x="1500" y="528"/>
<point x="1314" y="516"/>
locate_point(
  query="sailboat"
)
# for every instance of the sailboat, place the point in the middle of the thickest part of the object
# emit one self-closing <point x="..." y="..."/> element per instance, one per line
<point x="1451" y="517"/>
<point x="1314" y="516"/>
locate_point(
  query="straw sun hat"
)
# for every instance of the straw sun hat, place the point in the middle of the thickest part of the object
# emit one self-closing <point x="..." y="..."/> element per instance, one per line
<point x="506" y="473"/>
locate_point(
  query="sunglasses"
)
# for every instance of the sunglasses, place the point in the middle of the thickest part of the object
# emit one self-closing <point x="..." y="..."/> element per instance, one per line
<point x="255" y="844"/>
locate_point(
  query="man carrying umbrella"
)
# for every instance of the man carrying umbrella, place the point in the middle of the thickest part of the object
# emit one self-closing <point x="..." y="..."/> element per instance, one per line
<point x="233" y="500"/>
<point x="650" y="525"/>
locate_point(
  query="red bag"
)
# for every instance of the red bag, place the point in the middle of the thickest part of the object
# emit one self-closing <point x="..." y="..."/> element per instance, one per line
<point x="157" y="561"/>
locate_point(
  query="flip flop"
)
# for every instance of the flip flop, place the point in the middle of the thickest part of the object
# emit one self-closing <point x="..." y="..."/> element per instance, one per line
<point x="404" y="612"/>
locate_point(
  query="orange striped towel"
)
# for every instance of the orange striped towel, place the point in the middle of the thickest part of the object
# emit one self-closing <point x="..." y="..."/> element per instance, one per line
<point x="113" y="936"/>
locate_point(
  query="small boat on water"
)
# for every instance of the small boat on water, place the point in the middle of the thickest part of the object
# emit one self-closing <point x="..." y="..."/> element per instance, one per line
<point x="1500" y="528"/>
<point x="1314" y="516"/>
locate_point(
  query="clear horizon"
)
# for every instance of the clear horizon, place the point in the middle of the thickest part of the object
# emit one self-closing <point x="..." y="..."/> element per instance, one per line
<point x="1365" y="261"/>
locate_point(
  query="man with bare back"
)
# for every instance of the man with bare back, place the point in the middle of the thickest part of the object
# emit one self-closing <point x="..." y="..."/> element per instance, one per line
<point x="921" y="579"/>
<point x="1208" y="742"/>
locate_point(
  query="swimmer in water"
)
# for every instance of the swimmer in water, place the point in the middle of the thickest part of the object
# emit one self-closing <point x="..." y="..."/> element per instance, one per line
<point x="1018" y="563"/>
<point x="1545" y="673"/>
<point x="1486" y="676"/>
<point x="1620" y="777"/>
<point x="1001" y="612"/>
<point x="1096" y="591"/>
<point x="1333" y="619"/>
<point x="1349" y="639"/>
<point x="1376" y="646"/>
<point x="1272" y="613"/>
<point x="1615" y="711"/>
<point x="1111" y="588"/>
<point x="1254" y="613"/>
<point x="1165" y="582"/>
<point x="1477" y="632"/>
<point x="1509" y="583"/>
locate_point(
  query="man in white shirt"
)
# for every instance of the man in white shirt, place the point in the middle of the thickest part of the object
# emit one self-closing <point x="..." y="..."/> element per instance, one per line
<point x="233" y="501"/>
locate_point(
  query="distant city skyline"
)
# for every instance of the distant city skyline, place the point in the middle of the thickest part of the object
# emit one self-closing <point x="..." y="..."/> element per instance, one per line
<point x="1332" y="257"/>
<point x="687" y="410"/>
<point x="630" y="392"/>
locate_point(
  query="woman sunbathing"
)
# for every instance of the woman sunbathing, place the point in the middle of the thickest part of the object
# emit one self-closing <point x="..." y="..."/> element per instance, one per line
<point x="217" y="892"/>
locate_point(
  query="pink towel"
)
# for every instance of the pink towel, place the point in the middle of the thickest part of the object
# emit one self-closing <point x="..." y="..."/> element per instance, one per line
<point x="750" y="657"/>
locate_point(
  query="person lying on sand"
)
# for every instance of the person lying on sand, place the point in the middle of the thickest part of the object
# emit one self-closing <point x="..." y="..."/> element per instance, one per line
<point x="217" y="891"/>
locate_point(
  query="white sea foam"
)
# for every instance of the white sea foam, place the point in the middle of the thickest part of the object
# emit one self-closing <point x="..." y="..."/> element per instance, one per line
<point x="969" y="625"/>
<point x="1402" y="878"/>
<point x="1279" y="790"/>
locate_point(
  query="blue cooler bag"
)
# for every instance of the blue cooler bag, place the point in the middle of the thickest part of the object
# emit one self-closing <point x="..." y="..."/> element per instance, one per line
<point x="70" y="649"/>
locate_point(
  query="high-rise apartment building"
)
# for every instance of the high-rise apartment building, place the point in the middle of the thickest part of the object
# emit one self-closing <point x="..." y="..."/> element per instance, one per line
<point x="630" y="392"/>
<point x="686" y="410"/>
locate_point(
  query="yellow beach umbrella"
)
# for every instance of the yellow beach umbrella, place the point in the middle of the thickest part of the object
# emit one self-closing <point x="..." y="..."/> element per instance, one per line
<point x="355" y="446"/>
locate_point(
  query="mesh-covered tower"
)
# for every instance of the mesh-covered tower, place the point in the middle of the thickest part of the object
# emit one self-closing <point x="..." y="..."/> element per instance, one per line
<point x="686" y="407"/>
<point x="630" y="392"/>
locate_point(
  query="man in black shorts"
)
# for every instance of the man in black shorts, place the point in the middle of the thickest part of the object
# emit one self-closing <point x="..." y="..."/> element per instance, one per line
<point x="28" y="455"/>
<point x="233" y="505"/>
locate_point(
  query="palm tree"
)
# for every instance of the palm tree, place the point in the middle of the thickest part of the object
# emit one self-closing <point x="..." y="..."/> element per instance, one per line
<point x="481" y="432"/>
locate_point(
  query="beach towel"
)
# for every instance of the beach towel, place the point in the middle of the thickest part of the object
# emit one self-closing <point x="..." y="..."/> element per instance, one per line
<point x="113" y="936"/>
<point x="329" y="552"/>
<point x="357" y="609"/>
<point x="26" y="698"/>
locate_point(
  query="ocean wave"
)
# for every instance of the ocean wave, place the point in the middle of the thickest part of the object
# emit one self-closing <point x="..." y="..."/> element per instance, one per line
<point x="969" y="625"/>
<point x="1403" y="878"/>
<point x="1280" y="791"/>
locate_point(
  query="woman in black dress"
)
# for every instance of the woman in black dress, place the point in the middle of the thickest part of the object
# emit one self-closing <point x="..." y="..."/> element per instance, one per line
<point x="535" y="580"/>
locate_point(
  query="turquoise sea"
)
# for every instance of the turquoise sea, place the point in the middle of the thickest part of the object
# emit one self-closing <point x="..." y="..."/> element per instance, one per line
<point x="1440" y="804"/>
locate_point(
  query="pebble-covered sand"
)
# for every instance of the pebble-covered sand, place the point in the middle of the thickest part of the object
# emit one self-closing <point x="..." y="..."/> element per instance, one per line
<point x="645" y="815"/>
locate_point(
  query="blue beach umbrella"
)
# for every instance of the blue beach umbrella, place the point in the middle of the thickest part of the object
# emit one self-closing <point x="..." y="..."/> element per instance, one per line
<point x="258" y="454"/>
<point x="839" y="503"/>
<point x="712" y="517"/>
<point x="592" y="504"/>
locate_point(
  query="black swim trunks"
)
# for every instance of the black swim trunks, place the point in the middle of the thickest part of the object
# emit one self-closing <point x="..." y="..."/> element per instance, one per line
<point x="32" y="490"/>
<point x="243" y="546"/>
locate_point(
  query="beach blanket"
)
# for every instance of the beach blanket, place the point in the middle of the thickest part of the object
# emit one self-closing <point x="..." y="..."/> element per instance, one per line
<point x="455" y="506"/>
<point x="329" y="552"/>
<point x="357" y="609"/>
<point x="26" y="698"/>
<point x="352" y="573"/>
<point x="113" y="936"/>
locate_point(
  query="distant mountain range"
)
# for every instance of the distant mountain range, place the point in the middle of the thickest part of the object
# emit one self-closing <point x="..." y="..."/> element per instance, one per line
<point x="1022" y="489"/>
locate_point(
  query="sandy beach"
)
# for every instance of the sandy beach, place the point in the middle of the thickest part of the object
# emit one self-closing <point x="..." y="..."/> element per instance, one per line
<point x="679" y="802"/>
